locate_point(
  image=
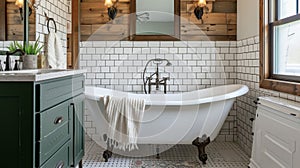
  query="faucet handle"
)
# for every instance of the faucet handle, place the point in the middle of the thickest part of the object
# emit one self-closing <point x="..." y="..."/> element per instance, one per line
<point x="17" y="66"/>
<point x="166" y="78"/>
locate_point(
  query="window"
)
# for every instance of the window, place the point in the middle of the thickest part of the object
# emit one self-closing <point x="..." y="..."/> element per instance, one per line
<point x="280" y="45"/>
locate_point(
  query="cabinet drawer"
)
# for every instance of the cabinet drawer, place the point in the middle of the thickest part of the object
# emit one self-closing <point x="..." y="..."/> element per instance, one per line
<point x="54" y="130"/>
<point x="55" y="91"/>
<point x="61" y="159"/>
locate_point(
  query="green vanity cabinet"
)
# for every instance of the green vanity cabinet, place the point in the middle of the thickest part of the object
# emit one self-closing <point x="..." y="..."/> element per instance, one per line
<point x="42" y="122"/>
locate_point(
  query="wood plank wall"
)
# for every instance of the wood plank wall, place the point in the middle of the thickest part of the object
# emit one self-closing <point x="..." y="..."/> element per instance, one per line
<point x="14" y="29"/>
<point x="219" y="21"/>
<point x="95" y="23"/>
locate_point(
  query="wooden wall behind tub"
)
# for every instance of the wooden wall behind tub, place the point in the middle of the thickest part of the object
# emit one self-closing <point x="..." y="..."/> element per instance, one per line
<point x="96" y="25"/>
<point x="14" y="29"/>
<point x="219" y="21"/>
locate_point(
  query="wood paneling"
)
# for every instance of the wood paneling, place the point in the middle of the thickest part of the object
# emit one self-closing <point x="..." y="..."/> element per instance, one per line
<point x="215" y="25"/>
<point x="2" y="20"/>
<point x="221" y="25"/>
<point x="14" y="25"/>
<point x="96" y="25"/>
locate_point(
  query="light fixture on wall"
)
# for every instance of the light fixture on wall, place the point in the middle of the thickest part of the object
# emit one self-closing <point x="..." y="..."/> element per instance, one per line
<point x="20" y="4"/>
<point x="112" y="11"/>
<point x="199" y="10"/>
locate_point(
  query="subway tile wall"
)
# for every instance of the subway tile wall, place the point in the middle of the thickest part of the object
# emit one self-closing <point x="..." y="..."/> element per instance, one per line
<point x="58" y="10"/>
<point x="247" y="72"/>
<point x="119" y="65"/>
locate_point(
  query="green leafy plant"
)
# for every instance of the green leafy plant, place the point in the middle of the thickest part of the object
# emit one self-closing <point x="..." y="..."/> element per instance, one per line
<point x="29" y="48"/>
<point x="13" y="46"/>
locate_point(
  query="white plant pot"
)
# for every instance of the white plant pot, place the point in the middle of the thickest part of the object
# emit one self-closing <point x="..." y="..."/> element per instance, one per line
<point x="29" y="62"/>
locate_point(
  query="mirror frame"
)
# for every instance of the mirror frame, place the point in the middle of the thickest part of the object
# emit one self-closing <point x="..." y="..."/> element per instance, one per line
<point x="132" y="26"/>
<point x="26" y="23"/>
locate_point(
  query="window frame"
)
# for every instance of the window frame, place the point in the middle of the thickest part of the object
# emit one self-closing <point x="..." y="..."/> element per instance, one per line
<point x="268" y="80"/>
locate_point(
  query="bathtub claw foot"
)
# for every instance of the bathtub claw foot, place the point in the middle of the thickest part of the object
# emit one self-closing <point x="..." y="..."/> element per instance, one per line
<point x="201" y="143"/>
<point x="106" y="155"/>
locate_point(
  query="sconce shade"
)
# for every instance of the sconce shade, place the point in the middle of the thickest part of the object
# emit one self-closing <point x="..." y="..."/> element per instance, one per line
<point x="19" y="3"/>
<point x="198" y="12"/>
<point x="112" y="12"/>
<point x="108" y="3"/>
<point x="202" y="3"/>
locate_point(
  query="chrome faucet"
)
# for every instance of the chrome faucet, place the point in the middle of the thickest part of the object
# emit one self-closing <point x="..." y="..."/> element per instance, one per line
<point x="8" y="60"/>
<point x="158" y="81"/>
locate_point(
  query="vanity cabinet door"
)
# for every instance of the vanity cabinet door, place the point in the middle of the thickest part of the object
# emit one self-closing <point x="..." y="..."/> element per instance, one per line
<point x="17" y="124"/>
<point x="78" y="128"/>
<point x="276" y="139"/>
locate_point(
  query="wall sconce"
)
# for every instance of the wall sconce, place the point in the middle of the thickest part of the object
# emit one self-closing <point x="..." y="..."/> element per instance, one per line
<point x="199" y="10"/>
<point x="20" y="4"/>
<point x="112" y="11"/>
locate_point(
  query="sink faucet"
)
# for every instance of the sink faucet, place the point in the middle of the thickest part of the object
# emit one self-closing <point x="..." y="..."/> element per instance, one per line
<point x="8" y="60"/>
<point x="157" y="82"/>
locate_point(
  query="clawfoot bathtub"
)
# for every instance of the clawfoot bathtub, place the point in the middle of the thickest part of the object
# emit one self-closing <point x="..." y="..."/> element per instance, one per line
<point x="174" y="118"/>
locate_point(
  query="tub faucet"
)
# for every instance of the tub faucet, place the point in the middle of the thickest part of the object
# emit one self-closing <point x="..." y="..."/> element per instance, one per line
<point x="8" y="60"/>
<point x="157" y="81"/>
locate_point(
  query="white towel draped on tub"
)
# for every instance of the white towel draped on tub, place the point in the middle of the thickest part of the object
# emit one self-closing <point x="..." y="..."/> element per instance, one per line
<point x="124" y="116"/>
<point x="56" y="58"/>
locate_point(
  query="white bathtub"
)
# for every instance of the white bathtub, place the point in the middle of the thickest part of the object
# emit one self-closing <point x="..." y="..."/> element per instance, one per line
<point x="173" y="118"/>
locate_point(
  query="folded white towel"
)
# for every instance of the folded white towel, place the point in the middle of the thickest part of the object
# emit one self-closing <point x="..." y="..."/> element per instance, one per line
<point x="124" y="116"/>
<point x="56" y="58"/>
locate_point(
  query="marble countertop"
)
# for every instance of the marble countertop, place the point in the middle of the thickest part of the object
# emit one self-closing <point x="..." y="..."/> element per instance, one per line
<point x="36" y="74"/>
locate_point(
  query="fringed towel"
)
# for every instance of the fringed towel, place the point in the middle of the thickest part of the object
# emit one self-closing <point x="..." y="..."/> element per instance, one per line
<point x="56" y="57"/>
<point x="124" y="116"/>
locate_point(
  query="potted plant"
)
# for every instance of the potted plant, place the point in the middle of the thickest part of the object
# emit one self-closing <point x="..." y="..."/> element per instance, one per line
<point x="31" y="51"/>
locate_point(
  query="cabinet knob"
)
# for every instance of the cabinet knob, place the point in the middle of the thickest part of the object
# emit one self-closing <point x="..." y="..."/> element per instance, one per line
<point x="60" y="164"/>
<point x="58" y="120"/>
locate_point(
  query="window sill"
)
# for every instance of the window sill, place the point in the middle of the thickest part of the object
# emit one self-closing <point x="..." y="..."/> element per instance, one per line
<point x="281" y="86"/>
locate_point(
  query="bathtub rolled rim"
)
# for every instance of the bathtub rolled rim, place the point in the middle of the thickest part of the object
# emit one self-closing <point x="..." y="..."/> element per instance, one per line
<point x="241" y="90"/>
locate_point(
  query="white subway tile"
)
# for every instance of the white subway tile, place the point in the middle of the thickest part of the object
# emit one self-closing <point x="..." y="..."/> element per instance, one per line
<point x="182" y="50"/>
<point x="118" y="50"/>
<point x="166" y="44"/>
<point x="153" y="44"/>
<point x="154" y="50"/>
<point x="137" y="50"/>
<point x="126" y="44"/>
<point x="140" y="44"/>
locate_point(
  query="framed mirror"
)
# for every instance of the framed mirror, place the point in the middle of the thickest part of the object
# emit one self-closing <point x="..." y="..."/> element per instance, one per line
<point x="155" y="20"/>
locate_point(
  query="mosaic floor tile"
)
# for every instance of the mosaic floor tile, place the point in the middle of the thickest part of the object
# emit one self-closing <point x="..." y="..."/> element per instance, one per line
<point x="220" y="155"/>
